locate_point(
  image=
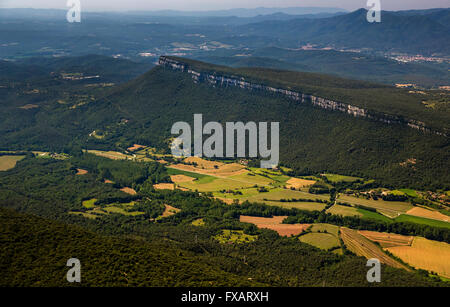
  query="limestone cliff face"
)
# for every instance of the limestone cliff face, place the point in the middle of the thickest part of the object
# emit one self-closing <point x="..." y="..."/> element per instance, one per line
<point x="240" y="82"/>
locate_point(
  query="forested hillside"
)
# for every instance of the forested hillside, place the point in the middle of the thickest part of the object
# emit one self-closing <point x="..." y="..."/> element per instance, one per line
<point x="312" y="139"/>
<point x="106" y="261"/>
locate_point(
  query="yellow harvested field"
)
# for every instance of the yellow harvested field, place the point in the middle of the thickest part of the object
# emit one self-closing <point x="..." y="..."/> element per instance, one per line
<point x="114" y="155"/>
<point x="297" y="183"/>
<point x="164" y="186"/>
<point x="434" y="215"/>
<point x="162" y="161"/>
<point x="275" y="223"/>
<point x="181" y="178"/>
<point x="108" y="181"/>
<point x="247" y="177"/>
<point x="425" y="254"/>
<point x="9" y="162"/>
<point x="198" y="222"/>
<point x="81" y="171"/>
<point x="129" y="191"/>
<point x="362" y="246"/>
<point x="201" y="163"/>
<point x="387" y="239"/>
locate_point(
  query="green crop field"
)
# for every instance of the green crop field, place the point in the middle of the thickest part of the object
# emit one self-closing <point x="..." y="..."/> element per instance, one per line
<point x="410" y="192"/>
<point x="212" y="184"/>
<point x="279" y="193"/>
<point x="89" y="203"/>
<point x="374" y="215"/>
<point x="389" y="208"/>
<point x="234" y="236"/>
<point x="333" y="229"/>
<point x="323" y="236"/>
<point x="335" y="178"/>
<point x="174" y="171"/>
<point x="274" y="196"/>
<point x="198" y="222"/>
<point x="421" y="220"/>
<point x="321" y="240"/>
<point x="120" y="210"/>
<point x="344" y="211"/>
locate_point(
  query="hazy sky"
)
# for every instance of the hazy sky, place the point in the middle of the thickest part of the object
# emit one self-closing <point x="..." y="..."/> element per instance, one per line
<point x="221" y="4"/>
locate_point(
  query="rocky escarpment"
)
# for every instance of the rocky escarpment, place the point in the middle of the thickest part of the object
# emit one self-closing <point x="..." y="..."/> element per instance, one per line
<point x="216" y="79"/>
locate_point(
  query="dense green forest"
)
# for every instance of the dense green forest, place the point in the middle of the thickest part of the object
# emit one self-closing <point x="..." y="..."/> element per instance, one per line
<point x="105" y="261"/>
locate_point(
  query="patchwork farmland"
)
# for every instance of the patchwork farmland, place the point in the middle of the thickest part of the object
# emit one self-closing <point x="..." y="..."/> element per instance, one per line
<point x="362" y="246"/>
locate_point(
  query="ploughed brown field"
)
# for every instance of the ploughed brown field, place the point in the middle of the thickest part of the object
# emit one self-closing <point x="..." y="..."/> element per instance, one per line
<point x="81" y="171"/>
<point x="275" y="223"/>
<point x="129" y="191"/>
<point x="135" y="147"/>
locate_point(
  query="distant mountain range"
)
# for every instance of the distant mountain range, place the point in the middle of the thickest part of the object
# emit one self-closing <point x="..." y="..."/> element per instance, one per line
<point x="422" y="32"/>
<point x="242" y="12"/>
<point x="233" y="17"/>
